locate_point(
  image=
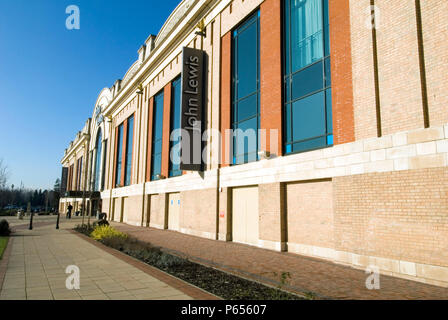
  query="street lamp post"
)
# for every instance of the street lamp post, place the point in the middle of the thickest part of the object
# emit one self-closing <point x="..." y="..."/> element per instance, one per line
<point x="31" y="221"/>
<point x="57" y="220"/>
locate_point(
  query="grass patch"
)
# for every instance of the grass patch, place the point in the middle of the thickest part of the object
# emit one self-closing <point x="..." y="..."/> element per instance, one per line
<point x="3" y="243"/>
<point x="219" y="283"/>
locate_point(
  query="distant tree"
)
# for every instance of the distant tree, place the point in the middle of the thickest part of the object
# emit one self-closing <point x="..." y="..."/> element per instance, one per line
<point x="57" y="185"/>
<point x="4" y="174"/>
<point x="55" y="194"/>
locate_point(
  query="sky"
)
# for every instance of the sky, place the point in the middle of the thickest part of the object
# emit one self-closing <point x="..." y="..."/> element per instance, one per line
<point x="50" y="76"/>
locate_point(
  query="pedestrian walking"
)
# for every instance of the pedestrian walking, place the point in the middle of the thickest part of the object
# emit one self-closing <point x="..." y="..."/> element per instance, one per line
<point x="69" y="211"/>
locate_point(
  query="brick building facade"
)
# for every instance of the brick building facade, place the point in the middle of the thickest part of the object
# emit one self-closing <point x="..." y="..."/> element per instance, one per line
<point x="354" y="165"/>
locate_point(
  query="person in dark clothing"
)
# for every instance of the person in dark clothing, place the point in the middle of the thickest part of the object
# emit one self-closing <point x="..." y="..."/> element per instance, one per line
<point x="69" y="211"/>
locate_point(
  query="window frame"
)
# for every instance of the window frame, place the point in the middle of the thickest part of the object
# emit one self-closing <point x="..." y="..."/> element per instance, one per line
<point x="287" y="84"/>
<point x="119" y="158"/>
<point x="160" y="140"/>
<point x="98" y="154"/>
<point x="171" y="171"/>
<point x="253" y="17"/>
<point x="128" y="161"/>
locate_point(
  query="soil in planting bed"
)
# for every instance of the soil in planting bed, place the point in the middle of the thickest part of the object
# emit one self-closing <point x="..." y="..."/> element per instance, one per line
<point x="219" y="283"/>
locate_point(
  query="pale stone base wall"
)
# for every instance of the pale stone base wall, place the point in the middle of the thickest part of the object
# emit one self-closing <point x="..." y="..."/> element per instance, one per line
<point x="310" y="213"/>
<point x="396" y="215"/>
<point x="198" y="215"/>
<point x="158" y="211"/>
<point x="133" y="211"/>
<point x="116" y="209"/>
<point x="379" y="201"/>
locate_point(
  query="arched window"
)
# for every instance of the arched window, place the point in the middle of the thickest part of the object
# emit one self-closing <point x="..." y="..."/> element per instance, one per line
<point x="98" y="147"/>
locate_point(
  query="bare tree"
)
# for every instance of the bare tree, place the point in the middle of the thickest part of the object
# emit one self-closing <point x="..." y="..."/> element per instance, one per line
<point x="4" y="174"/>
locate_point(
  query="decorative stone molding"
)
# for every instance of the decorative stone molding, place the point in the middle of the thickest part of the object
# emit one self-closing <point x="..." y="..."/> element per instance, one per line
<point x="131" y="72"/>
<point x="177" y="15"/>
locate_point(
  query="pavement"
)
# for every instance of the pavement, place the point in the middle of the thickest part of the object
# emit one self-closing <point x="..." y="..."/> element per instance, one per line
<point x="310" y="276"/>
<point x="35" y="264"/>
<point x="35" y="261"/>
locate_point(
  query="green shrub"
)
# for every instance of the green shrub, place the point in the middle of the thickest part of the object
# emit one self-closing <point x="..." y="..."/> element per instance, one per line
<point x="104" y="232"/>
<point x="4" y="228"/>
<point x="8" y="213"/>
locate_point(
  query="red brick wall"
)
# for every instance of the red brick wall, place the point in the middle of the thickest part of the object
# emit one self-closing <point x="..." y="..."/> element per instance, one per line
<point x="166" y="129"/>
<point x="226" y="78"/>
<point x="271" y="71"/>
<point x="341" y="72"/>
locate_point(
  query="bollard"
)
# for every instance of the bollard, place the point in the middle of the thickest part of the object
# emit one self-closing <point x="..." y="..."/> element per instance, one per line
<point x="57" y="221"/>
<point x="31" y="221"/>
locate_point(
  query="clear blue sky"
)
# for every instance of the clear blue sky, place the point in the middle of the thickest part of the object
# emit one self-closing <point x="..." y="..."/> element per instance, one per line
<point x="50" y="77"/>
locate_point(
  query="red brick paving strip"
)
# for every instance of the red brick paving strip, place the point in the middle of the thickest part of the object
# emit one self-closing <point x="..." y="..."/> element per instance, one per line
<point x="188" y="289"/>
<point x="323" y="278"/>
<point x="4" y="262"/>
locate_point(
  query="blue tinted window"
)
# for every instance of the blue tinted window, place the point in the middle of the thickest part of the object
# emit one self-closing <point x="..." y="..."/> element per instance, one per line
<point x="308" y="116"/>
<point x="307" y="81"/>
<point x="98" y="147"/>
<point x="157" y="132"/>
<point x="329" y="111"/>
<point x="327" y="72"/>
<point x="175" y="124"/>
<point x="246" y="89"/>
<point x="246" y="108"/>
<point x="129" y="149"/>
<point x="246" y="64"/>
<point x="307" y="45"/>
<point x="307" y="76"/>
<point x="119" y="155"/>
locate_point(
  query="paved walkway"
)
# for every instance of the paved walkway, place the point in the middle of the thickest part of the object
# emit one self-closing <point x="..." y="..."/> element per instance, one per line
<point x="323" y="278"/>
<point x="37" y="261"/>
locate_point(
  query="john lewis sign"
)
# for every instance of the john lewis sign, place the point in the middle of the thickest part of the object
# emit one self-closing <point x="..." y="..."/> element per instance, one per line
<point x="192" y="109"/>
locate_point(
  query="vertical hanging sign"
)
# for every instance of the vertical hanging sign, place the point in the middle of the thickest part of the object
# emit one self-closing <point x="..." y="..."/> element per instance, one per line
<point x="192" y="109"/>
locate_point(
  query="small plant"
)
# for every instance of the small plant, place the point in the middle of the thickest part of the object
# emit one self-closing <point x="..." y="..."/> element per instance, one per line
<point x="104" y="232"/>
<point x="4" y="228"/>
<point x="283" y="278"/>
<point x="310" y="295"/>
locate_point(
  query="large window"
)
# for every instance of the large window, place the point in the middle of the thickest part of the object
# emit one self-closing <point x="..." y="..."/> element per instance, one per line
<point x="103" y="176"/>
<point x="79" y="174"/>
<point x="119" y="155"/>
<point x="307" y="77"/>
<point x="174" y="169"/>
<point x="70" y="177"/>
<point x="157" y="130"/>
<point x="246" y="90"/>
<point x="98" y="147"/>
<point x="129" y="148"/>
